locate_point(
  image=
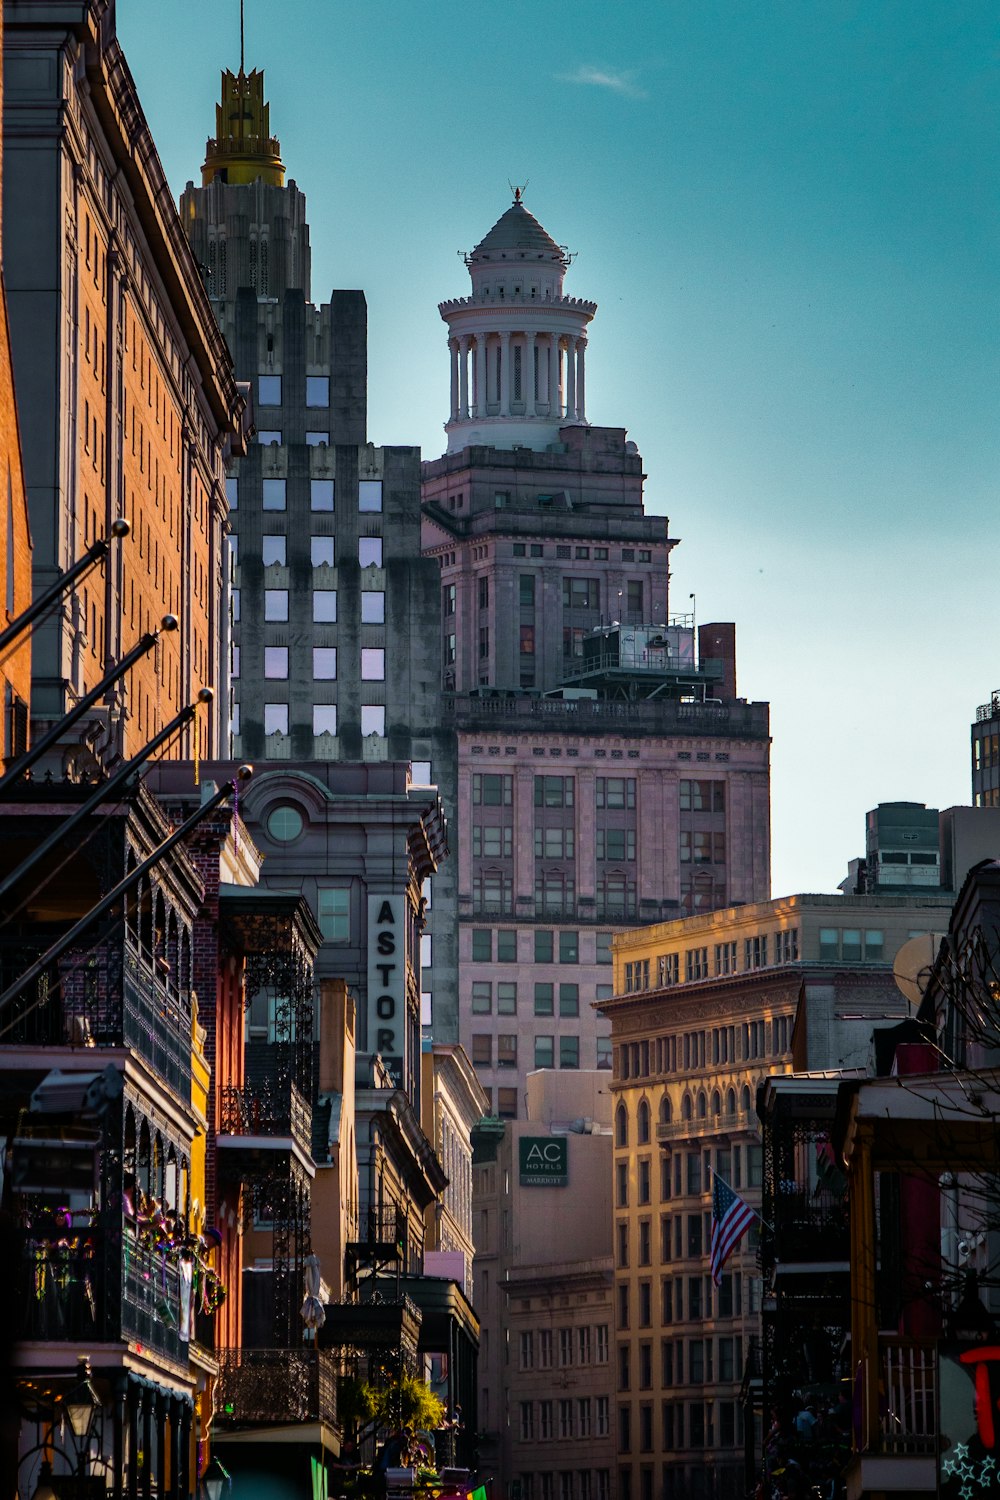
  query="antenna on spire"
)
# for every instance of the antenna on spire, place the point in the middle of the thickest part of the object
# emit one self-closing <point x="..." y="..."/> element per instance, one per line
<point x="518" y="192"/>
<point x="241" y="37"/>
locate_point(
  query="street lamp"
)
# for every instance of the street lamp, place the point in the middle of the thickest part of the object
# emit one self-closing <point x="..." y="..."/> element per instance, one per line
<point x="43" y="1489"/>
<point x="81" y="1404"/>
<point x="216" y="1477"/>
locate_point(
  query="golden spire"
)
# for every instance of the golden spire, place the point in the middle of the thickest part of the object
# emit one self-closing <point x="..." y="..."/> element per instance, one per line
<point x="243" y="147"/>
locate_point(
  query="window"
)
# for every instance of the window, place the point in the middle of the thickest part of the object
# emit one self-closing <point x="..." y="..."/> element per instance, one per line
<point x="372" y="718"/>
<point x="492" y="840"/>
<point x="321" y="494"/>
<point x="372" y="607"/>
<point x="492" y="791"/>
<point x="317" y="439"/>
<point x="273" y="494"/>
<point x="566" y="1431"/>
<point x="565" y="1346"/>
<point x="569" y="999"/>
<point x="324" y="718"/>
<point x="482" y="997"/>
<point x="507" y="1103"/>
<point x="850" y="945"/>
<point x="545" y="1419"/>
<point x="275" y="718"/>
<point x="321" y="551"/>
<point x="333" y="912"/>
<point x="527" y="1351"/>
<point x="373" y="664"/>
<point x="526" y="590"/>
<point x="266" y="438"/>
<point x="874" y="946"/>
<point x="569" y="947"/>
<point x="554" y="843"/>
<point x="275" y="604"/>
<point x="324" y="663"/>
<point x="553" y="791"/>
<point x="569" y="1051"/>
<point x="616" y="843"/>
<point x="273" y="550"/>
<point x="268" y="390"/>
<point x="703" y="796"/>
<point x="604" y="955"/>
<point x="581" y="593"/>
<point x="233" y="493"/>
<point x="545" y="1349"/>
<point x="483" y="592"/>
<point x="544" y="1052"/>
<point x="624" y="1362"/>
<point x="604" y="1042"/>
<point x="583" y="1349"/>
<point x="506" y="946"/>
<point x="325" y="607"/>
<point x="755" y="952"/>
<point x="284" y="824"/>
<point x="543" y="945"/>
<point x="369" y="494"/>
<point x="482" y="1049"/>
<point x="370" y="551"/>
<point x="276" y="661"/>
<point x="507" y="1050"/>
<point x="527" y="1421"/>
<point x="448" y="599"/>
<point x="645" y="1178"/>
<point x="506" y="999"/>
<point x="615" y="791"/>
<point x="526" y="638"/>
<point x="583" y="1421"/>
<point x="317" y="390"/>
<point x="482" y="945"/>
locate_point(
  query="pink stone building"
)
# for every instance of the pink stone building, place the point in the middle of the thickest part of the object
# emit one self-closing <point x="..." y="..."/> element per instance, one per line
<point x="608" y="774"/>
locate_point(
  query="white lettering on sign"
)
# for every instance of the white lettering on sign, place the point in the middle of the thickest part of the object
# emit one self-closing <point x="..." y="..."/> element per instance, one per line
<point x="546" y="1154"/>
<point x="387" y="980"/>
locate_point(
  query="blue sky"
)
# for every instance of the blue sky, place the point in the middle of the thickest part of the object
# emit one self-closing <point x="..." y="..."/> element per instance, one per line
<point x="788" y="216"/>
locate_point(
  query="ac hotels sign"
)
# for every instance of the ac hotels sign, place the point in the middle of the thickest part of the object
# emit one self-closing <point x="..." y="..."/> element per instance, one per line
<point x="543" y="1161"/>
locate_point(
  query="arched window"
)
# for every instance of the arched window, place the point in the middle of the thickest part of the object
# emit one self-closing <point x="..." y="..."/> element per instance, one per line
<point x="621" y="1126"/>
<point x="686" y="1107"/>
<point x="702" y="1104"/>
<point x="746" y="1099"/>
<point x="665" y="1110"/>
<point x="642" y="1124"/>
<point x="716" y="1104"/>
<point x="731" y="1104"/>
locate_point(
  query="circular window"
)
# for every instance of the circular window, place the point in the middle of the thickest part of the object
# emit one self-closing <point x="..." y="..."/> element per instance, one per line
<point x="285" y="824"/>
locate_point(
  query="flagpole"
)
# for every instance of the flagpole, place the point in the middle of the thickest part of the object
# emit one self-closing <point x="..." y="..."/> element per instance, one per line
<point x="756" y="1212"/>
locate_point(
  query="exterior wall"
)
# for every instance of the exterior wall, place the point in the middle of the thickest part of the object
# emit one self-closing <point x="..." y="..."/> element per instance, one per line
<point x="503" y="525"/>
<point x="335" y="1187"/>
<point x="799" y="981"/>
<point x="985" y="745"/>
<point x="515" y="898"/>
<point x="543" y="1291"/>
<point x="453" y="1102"/>
<point x="15" y="540"/>
<point x="127" y="401"/>
<point x="343" y="502"/>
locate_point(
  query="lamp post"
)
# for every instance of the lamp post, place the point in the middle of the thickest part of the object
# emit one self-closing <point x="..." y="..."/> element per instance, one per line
<point x="81" y="1405"/>
<point x="215" y="1479"/>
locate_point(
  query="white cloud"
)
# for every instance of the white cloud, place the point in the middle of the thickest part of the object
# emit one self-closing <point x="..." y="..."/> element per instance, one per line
<point x="606" y="78"/>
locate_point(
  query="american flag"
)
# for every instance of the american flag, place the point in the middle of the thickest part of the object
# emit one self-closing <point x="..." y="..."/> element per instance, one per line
<point x="731" y="1218"/>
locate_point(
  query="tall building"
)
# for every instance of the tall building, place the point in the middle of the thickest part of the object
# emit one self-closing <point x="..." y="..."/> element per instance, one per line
<point x="985" y="736"/>
<point x="544" y="1286"/>
<point x="127" y="401"/>
<point x="608" y="774"/>
<point x="334" y="658"/>
<point x="15" y="539"/>
<point x="705" y="1011"/>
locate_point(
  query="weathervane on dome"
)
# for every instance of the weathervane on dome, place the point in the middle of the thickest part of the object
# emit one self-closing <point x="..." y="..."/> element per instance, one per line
<point x="518" y="192"/>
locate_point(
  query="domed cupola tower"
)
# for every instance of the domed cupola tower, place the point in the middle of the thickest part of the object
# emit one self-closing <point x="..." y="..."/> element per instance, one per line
<point x="517" y="344"/>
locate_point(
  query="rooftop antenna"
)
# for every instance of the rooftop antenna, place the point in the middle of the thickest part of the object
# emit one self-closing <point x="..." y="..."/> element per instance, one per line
<point x="241" y="37"/>
<point x="518" y="192"/>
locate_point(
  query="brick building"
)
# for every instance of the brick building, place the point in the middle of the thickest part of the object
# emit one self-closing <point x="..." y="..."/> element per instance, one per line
<point x="127" y="400"/>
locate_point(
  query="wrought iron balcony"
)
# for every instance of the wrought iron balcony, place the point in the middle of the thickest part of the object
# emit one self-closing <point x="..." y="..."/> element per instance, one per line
<point x="273" y="1111"/>
<point x="114" y="1000"/>
<point x="391" y="1324"/>
<point x="75" y="1285"/>
<point x="272" y="1387"/>
<point x="809" y="1228"/>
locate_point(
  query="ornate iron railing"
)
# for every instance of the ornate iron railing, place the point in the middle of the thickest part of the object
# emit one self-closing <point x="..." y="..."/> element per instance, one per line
<point x="680" y="1130"/>
<point x="262" y="1387"/>
<point x="272" y="1110"/>
<point x="151" y="1310"/>
<point x="59" y="1292"/>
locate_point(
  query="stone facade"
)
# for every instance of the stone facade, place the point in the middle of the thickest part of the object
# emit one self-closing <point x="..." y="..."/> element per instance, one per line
<point x="705" y="1010"/>
<point x="15" y="540"/>
<point x="127" y="400"/>
<point x="335" y="654"/>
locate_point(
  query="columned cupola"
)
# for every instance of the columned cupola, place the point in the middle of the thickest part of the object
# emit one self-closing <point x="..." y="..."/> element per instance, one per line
<point x="517" y="344"/>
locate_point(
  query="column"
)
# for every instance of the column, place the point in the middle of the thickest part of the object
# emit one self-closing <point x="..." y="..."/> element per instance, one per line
<point x="571" y="381"/>
<point x="505" y="374"/>
<point x="453" y="350"/>
<point x="555" y="410"/>
<point x="528" y="374"/>
<point x="482" y="376"/>
<point x="463" y="378"/>
<point x="581" y="387"/>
